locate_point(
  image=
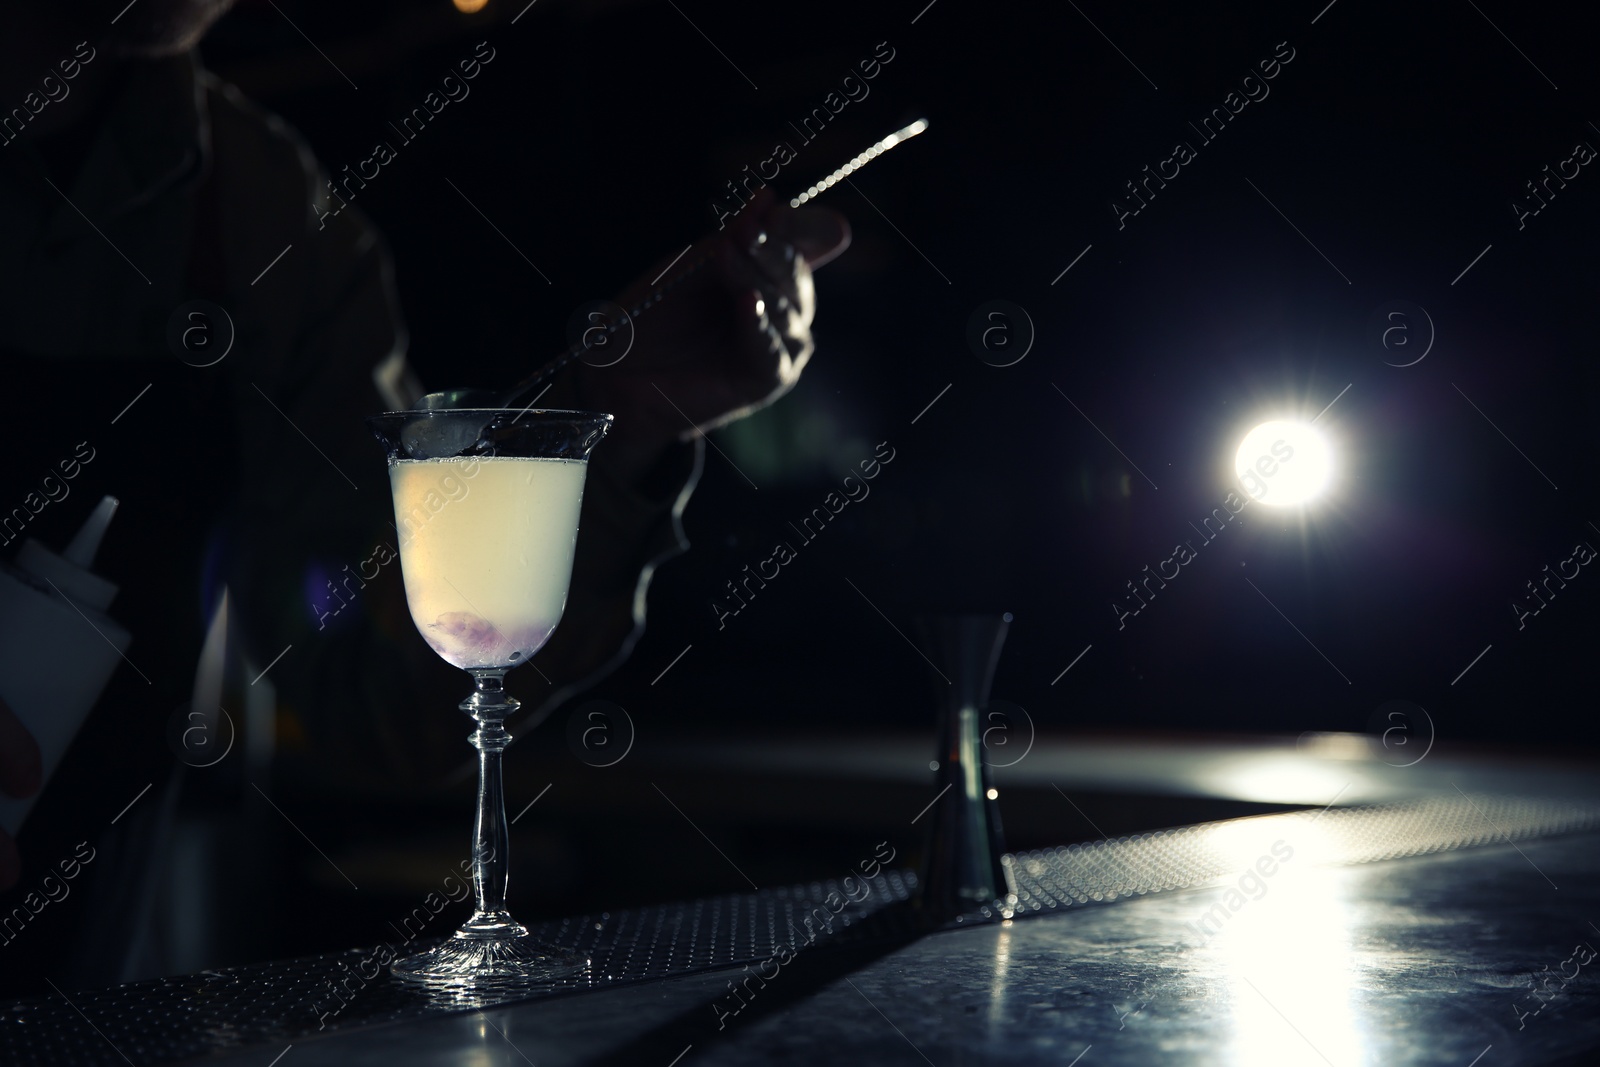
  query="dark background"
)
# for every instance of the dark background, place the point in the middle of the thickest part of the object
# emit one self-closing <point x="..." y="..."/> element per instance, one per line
<point x="597" y="141"/>
<point x="1395" y="141"/>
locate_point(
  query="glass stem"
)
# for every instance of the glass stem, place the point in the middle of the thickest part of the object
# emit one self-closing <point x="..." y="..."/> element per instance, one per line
<point x="489" y="705"/>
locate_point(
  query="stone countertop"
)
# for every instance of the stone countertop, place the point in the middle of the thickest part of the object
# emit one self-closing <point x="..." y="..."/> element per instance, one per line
<point x="1428" y="960"/>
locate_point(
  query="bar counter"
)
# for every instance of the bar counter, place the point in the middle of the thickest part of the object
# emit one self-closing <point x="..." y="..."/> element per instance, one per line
<point x="1455" y="925"/>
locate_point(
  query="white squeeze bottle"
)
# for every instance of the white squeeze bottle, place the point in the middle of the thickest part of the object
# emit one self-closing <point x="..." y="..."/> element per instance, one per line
<point x="53" y="665"/>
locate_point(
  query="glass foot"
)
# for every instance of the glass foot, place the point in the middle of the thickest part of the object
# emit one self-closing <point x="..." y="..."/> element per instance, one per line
<point x="468" y="959"/>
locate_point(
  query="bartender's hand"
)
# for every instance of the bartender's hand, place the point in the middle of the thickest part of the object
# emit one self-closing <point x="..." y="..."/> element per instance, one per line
<point x="21" y="770"/>
<point x="731" y="339"/>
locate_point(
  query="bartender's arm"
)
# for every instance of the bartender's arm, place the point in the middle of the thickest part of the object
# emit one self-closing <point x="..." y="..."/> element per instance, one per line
<point x="730" y="341"/>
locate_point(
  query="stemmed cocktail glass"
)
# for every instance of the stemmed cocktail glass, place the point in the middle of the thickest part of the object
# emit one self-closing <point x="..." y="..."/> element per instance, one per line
<point x="486" y="502"/>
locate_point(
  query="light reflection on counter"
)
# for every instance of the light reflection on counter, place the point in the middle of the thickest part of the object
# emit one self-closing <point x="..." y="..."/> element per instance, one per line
<point x="1279" y="778"/>
<point x="1286" y="958"/>
<point x="997" y="985"/>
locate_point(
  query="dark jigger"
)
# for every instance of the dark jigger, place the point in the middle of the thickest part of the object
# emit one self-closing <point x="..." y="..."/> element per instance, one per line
<point x="962" y="873"/>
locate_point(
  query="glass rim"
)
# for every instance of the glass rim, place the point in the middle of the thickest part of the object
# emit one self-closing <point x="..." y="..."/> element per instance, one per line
<point x="430" y="412"/>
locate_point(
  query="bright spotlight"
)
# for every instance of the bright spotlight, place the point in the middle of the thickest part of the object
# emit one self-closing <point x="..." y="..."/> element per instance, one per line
<point x="1284" y="463"/>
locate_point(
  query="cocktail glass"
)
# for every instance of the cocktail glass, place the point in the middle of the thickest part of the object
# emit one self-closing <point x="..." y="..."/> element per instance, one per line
<point x="486" y="504"/>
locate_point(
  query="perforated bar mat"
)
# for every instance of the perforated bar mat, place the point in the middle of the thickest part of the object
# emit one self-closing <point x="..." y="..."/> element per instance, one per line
<point x="169" y="1019"/>
<point x="1193" y="856"/>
